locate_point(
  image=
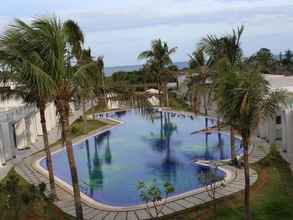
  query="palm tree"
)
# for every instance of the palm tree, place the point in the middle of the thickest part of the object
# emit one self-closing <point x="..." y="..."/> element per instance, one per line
<point x="75" y="38"/>
<point x="86" y="89"/>
<point x="227" y="47"/>
<point x="158" y="58"/>
<point x="244" y="99"/>
<point x="100" y="79"/>
<point x="58" y="50"/>
<point x="29" y="72"/>
<point x="223" y="51"/>
<point x="198" y="83"/>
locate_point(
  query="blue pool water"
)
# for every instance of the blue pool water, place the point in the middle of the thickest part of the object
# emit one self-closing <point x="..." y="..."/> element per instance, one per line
<point x="146" y="146"/>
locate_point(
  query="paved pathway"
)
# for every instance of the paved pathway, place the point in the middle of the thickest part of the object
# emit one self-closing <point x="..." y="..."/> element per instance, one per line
<point x="26" y="159"/>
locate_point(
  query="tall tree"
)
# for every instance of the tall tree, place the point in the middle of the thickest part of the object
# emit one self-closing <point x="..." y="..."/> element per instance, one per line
<point x="28" y="70"/>
<point x="159" y="58"/>
<point x="58" y="49"/>
<point x="198" y="84"/>
<point x="244" y="99"/>
<point x="75" y="38"/>
<point x="223" y="51"/>
<point x="264" y="59"/>
<point x="99" y="82"/>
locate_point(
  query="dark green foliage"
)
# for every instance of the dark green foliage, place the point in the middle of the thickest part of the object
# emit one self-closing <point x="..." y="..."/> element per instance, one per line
<point x="272" y="157"/>
<point x="14" y="198"/>
<point x="152" y="195"/>
<point x="133" y="77"/>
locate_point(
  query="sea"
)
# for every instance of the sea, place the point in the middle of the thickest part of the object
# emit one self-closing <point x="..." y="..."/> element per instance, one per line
<point x="110" y="70"/>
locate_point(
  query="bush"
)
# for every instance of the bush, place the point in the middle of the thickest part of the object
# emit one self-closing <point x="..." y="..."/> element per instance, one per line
<point x="272" y="156"/>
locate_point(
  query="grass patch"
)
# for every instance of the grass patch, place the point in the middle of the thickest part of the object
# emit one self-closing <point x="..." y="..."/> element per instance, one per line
<point x="271" y="196"/>
<point x="97" y="109"/>
<point x="80" y="127"/>
<point x="20" y="200"/>
<point x="178" y="103"/>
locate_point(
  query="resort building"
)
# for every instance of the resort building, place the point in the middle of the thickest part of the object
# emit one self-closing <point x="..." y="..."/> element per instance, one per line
<point x="279" y="130"/>
<point x="20" y="125"/>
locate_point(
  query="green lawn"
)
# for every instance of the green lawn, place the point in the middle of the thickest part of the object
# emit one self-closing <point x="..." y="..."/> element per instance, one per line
<point x="178" y="103"/>
<point x="272" y="196"/>
<point x="96" y="109"/>
<point x="80" y="127"/>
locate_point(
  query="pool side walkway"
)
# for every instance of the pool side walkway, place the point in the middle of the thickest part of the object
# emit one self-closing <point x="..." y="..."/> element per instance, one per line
<point x="25" y="167"/>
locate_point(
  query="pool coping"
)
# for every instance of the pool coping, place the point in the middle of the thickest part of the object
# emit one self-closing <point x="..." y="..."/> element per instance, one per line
<point x="180" y="202"/>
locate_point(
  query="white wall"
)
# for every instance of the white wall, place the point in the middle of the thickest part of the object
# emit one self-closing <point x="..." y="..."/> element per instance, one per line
<point x="35" y="128"/>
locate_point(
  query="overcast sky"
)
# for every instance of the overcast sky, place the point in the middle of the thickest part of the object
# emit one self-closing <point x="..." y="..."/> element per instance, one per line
<point x="120" y="29"/>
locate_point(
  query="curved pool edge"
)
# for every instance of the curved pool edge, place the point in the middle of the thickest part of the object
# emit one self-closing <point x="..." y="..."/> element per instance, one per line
<point x="229" y="177"/>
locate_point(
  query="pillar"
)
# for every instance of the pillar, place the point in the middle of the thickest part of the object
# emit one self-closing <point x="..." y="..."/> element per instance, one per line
<point x="28" y="134"/>
<point x="2" y="150"/>
<point x="8" y="140"/>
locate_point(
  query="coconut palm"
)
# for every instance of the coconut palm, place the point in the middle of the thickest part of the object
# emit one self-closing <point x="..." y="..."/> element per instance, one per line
<point x="29" y="72"/>
<point x="58" y="50"/>
<point x="227" y="47"/>
<point x="244" y="99"/>
<point x="158" y="58"/>
<point x="75" y="38"/>
<point x="99" y="82"/>
<point x="198" y="85"/>
<point x="87" y="90"/>
<point x="224" y="51"/>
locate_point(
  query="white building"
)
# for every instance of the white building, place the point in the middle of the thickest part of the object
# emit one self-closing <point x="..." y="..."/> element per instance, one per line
<point x="279" y="130"/>
<point x="20" y="125"/>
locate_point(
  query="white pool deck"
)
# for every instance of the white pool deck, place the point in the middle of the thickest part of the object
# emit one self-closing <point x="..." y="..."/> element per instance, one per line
<point x="25" y="166"/>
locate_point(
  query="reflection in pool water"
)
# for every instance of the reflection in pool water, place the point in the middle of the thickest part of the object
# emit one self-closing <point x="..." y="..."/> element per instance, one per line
<point x="148" y="145"/>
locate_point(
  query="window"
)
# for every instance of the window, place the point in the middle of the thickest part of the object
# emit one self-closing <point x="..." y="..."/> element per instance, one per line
<point x="278" y="120"/>
<point x="278" y="134"/>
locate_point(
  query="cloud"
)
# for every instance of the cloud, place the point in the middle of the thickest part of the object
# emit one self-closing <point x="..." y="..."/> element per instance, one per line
<point x="180" y="12"/>
<point x="120" y="29"/>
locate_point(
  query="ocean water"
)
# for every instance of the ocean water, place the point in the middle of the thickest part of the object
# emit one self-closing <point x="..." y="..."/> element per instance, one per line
<point x="110" y="70"/>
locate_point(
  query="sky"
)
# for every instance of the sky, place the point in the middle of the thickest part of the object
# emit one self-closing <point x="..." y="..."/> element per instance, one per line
<point x="121" y="29"/>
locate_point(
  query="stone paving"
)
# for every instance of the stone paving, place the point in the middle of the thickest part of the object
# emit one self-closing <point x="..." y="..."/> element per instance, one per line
<point x="25" y="167"/>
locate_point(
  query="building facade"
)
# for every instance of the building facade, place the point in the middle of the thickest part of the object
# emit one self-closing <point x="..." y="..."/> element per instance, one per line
<point x="20" y="125"/>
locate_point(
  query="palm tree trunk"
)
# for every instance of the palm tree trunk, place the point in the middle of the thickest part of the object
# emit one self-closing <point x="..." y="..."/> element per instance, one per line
<point x="205" y="103"/>
<point x="166" y="95"/>
<point x="83" y="109"/>
<point x="161" y="94"/>
<point x="47" y="149"/>
<point x="63" y="109"/>
<point x="104" y="90"/>
<point x="247" y="180"/>
<point x="233" y="147"/>
<point x="194" y="103"/>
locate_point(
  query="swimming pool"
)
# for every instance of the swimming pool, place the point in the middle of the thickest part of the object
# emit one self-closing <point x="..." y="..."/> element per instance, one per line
<point x="147" y="145"/>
